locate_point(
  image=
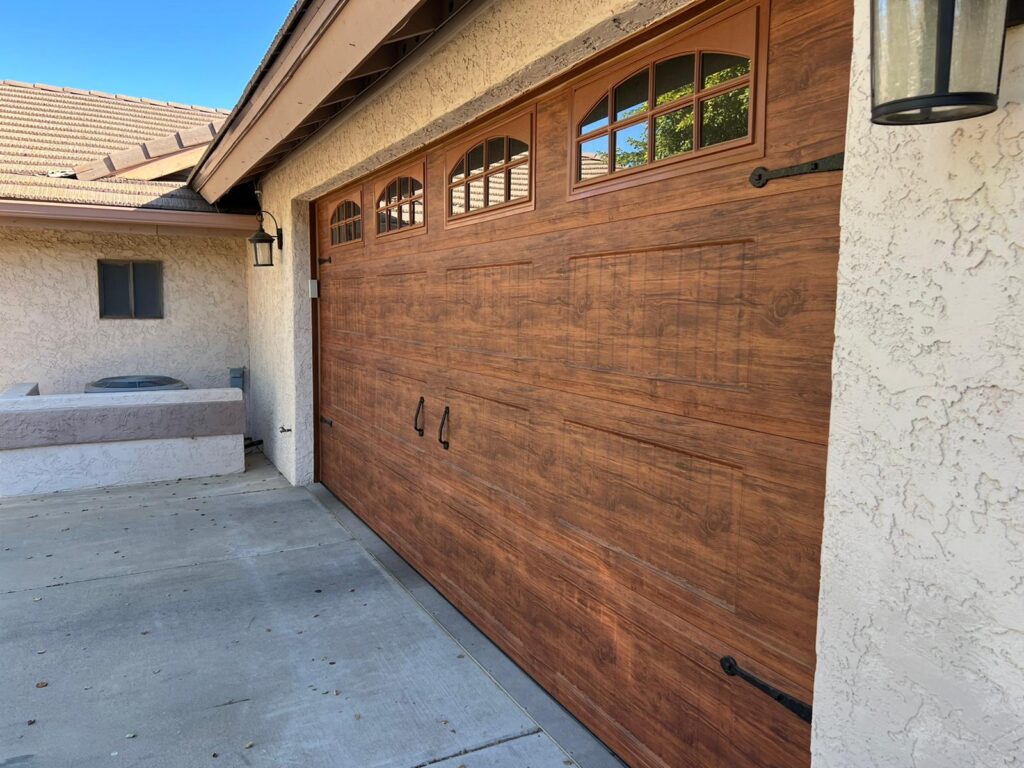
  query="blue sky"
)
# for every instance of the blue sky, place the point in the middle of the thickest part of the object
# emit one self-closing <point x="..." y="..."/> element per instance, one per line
<point x="190" y="51"/>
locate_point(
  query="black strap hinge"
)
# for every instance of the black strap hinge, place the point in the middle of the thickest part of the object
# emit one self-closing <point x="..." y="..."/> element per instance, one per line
<point x="793" y="704"/>
<point x="324" y="261"/>
<point x="761" y="176"/>
<point x="325" y="420"/>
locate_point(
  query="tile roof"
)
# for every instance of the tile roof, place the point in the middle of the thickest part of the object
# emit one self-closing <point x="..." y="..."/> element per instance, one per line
<point x="47" y="131"/>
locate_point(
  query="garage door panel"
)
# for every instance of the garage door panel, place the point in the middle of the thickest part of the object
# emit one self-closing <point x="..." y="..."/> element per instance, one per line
<point x="780" y="552"/>
<point x="490" y="438"/>
<point x="404" y="405"/>
<point x="350" y="388"/>
<point x="403" y="307"/>
<point x="506" y="587"/>
<point x="348" y="315"/>
<point x="637" y="378"/>
<point x="487" y="307"/>
<point x="674" y="314"/>
<point x="674" y="513"/>
<point x="342" y="464"/>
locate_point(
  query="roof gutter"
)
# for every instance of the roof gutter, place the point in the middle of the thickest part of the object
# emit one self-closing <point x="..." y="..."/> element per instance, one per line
<point x="17" y="211"/>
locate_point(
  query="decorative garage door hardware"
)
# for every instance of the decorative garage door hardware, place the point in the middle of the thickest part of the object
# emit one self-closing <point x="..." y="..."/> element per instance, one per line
<point x="761" y="176"/>
<point x="416" y="418"/>
<point x="324" y="261"/>
<point x="325" y="420"/>
<point x="440" y="429"/>
<point x="794" y="705"/>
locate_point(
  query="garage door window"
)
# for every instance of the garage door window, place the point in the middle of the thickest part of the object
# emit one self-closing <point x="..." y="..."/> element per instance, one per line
<point x="488" y="172"/>
<point x="491" y="173"/>
<point x="346" y="223"/>
<point x="400" y="205"/>
<point x="685" y="101"/>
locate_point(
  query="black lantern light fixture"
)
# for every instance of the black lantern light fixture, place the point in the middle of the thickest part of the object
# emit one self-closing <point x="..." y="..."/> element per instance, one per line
<point x="936" y="60"/>
<point x="263" y="243"/>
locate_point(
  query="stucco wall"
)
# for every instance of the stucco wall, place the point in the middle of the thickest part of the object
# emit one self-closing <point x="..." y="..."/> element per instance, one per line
<point x="51" y="331"/>
<point x="921" y="624"/>
<point x="457" y="78"/>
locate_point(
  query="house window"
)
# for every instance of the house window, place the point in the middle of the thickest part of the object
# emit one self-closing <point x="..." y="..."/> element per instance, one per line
<point x="400" y="205"/>
<point x="493" y="172"/>
<point x="686" y="100"/>
<point x="346" y="223"/>
<point x="131" y="289"/>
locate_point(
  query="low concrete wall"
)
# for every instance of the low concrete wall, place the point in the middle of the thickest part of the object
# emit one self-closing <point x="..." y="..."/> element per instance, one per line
<point x="103" y="418"/>
<point x="67" y="442"/>
<point x="24" y="389"/>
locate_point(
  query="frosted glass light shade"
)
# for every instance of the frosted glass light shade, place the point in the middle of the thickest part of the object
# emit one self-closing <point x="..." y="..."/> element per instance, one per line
<point x="935" y="60"/>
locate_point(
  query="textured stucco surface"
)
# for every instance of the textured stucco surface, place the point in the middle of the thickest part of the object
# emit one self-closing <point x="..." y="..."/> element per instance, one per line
<point x="50" y="468"/>
<point x="921" y="625"/>
<point x="456" y="79"/>
<point x="51" y="331"/>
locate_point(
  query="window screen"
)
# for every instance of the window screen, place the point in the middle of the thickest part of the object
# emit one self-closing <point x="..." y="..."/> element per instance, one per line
<point x="131" y="289"/>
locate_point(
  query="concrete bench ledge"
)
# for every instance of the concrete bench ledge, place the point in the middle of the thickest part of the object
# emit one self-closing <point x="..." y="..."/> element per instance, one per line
<point x="24" y="389"/>
<point x="48" y="420"/>
<point x="55" y="443"/>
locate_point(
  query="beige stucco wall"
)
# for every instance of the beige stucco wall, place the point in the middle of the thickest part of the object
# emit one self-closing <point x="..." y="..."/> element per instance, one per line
<point x="921" y="624"/>
<point x="51" y="331"/>
<point x="483" y="59"/>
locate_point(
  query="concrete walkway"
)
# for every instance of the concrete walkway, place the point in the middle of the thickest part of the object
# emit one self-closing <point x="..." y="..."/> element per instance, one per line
<point x="228" y="622"/>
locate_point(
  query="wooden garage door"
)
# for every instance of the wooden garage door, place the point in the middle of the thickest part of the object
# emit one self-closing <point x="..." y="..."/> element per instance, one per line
<point x="575" y="368"/>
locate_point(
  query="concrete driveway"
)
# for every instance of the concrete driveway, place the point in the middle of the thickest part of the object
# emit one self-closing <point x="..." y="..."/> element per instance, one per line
<point x="235" y="621"/>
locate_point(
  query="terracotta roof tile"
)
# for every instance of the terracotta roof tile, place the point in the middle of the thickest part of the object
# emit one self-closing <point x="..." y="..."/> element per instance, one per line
<point x="46" y="131"/>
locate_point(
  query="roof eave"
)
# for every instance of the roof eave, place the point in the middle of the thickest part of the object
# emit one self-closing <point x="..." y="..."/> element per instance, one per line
<point x="225" y="223"/>
<point x="326" y="49"/>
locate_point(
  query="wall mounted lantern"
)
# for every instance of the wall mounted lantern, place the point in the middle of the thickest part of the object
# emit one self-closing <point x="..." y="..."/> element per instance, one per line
<point x="263" y="243"/>
<point x="936" y="60"/>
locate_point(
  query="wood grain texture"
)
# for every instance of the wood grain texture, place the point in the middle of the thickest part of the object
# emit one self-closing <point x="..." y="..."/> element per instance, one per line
<point x="638" y="382"/>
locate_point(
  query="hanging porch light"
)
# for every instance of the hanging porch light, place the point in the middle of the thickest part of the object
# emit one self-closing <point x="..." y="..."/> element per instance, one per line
<point x="935" y="60"/>
<point x="263" y="243"/>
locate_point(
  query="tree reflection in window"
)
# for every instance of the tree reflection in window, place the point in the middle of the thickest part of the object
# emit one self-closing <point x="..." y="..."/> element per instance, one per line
<point x="654" y="113"/>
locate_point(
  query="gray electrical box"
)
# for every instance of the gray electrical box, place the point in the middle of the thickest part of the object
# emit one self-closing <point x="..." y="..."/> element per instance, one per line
<point x="236" y="378"/>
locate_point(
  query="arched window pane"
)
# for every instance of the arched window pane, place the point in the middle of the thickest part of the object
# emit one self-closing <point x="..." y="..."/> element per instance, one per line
<point x="517" y="149"/>
<point x="673" y="79"/>
<point x="596" y="118"/>
<point x="631" y="96"/>
<point x="718" y="68"/>
<point x="475" y="160"/>
<point x="459" y="171"/>
<point x="495" y="152"/>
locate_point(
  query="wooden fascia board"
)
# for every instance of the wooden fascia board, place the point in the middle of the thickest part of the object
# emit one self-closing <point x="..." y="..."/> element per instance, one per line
<point x="162" y="166"/>
<point x="70" y="212"/>
<point x="333" y="42"/>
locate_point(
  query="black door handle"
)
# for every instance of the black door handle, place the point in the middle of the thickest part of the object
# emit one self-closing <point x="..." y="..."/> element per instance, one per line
<point x="793" y="704"/>
<point x="416" y="418"/>
<point x="440" y="430"/>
